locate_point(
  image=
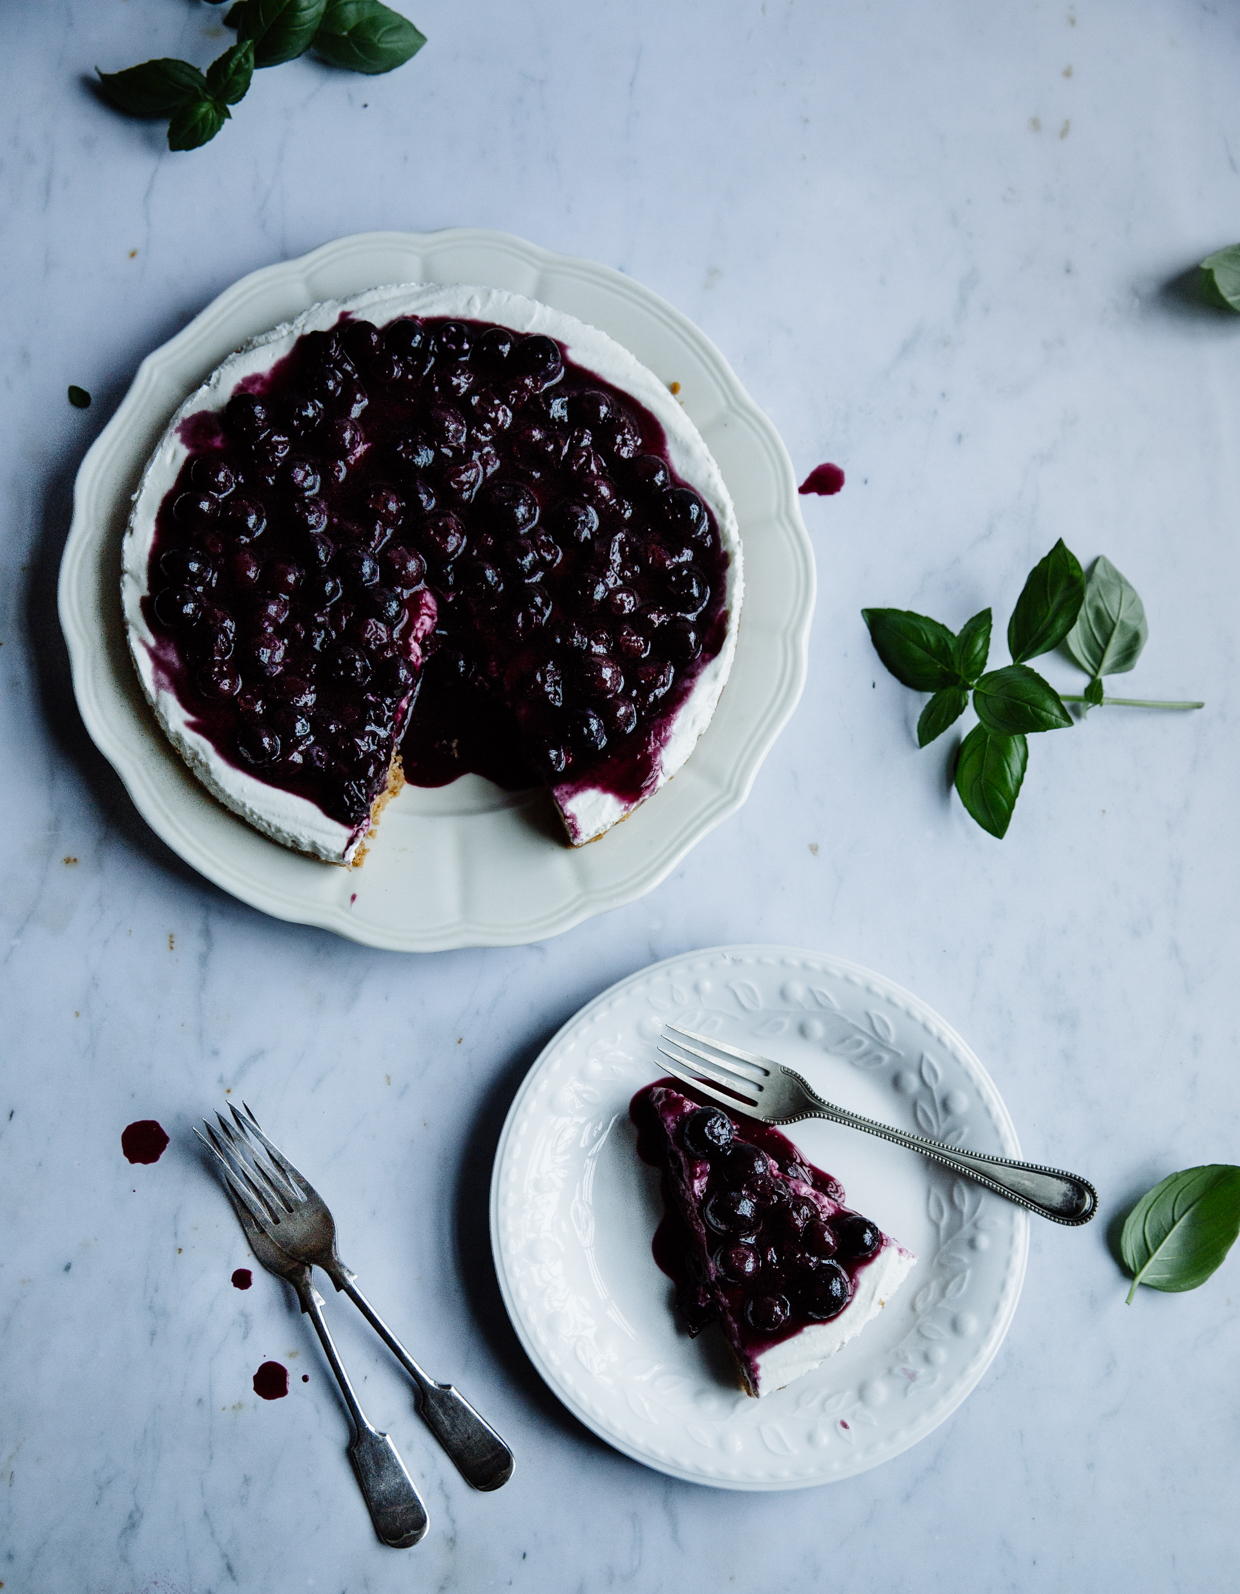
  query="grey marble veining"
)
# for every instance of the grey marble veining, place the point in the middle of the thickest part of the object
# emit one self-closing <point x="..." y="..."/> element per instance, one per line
<point x="939" y="244"/>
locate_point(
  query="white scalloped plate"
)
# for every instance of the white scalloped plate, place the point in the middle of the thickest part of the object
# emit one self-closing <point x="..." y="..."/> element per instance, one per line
<point x="467" y="865"/>
<point x="573" y="1212"/>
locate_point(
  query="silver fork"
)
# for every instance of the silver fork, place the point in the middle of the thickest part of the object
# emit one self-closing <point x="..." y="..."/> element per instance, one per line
<point x="394" y="1504"/>
<point x="775" y="1094"/>
<point x="295" y="1218"/>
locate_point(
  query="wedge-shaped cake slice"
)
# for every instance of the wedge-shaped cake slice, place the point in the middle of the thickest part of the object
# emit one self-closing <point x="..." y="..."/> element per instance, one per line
<point x="759" y="1240"/>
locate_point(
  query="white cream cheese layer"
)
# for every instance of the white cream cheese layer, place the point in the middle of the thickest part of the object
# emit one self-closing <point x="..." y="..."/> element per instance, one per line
<point x="876" y="1284"/>
<point x="292" y="820"/>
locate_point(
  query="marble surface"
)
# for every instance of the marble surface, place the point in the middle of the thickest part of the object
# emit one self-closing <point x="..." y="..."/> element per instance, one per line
<point x="941" y="246"/>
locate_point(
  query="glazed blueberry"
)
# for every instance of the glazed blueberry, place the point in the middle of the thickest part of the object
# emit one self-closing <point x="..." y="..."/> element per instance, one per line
<point x="295" y="692"/>
<point x="648" y="471"/>
<point x="246" y="417"/>
<point x="707" y="1132"/>
<point x="587" y="730"/>
<point x="196" y="509"/>
<point x="282" y="575"/>
<point x="215" y="633"/>
<point x="556" y="758"/>
<point x="258" y="744"/>
<point x="395" y="675"/>
<point x="339" y="437"/>
<point x="857" y="1237"/>
<point x="303" y="477"/>
<point x="404" y="568"/>
<point x="631" y="644"/>
<point x="745" y="1165"/>
<point x="212" y="475"/>
<point x="309" y="515"/>
<point x="682" y="642"/>
<point x="490" y="353"/>
<point x="767" y="1314"/>
<point x="405" y="337"/>
<point x="797" y="1215"/>
<point x="548" y="683"/>
<point x="600" y="677"/>
<point x="653" y="680"/>
<point x="731" y="1212"/>
<point x="385" y="605"/>
<point x="510" y="507"/>
<point x="576" y="522"/>
<point x="350" y="668"/>
<point x="453" y="341"/>
<point x="361" y="341"/>
<point x="321" y="592"/>
<point x="538" y="358"/>
<point x="270" y="608"/>
<point x="443" y="536"/>
<point x="320" y="550"/>
<point x="592" y="409"/>
<point x="178" y="607"/>
<point x="358" y="568"/>
<point x="826" y="1294"/>
<point x="619" y="716"/>
<point x="689" y="590"/>
<point x="242" y="520"/>
<point x="738" y="1263"/>
<point x="217" y="679"/>
<point x="188" y="567"/>
<point x="267" y="650"/>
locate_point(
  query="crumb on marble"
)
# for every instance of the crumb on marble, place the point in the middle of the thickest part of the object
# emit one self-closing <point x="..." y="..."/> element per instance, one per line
<point x="673" y="388"/>
<point x="68" y="859"/>
<point x="172" y="942"/>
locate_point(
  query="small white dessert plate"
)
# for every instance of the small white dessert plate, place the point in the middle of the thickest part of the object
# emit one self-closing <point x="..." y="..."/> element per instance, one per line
<point x="573" y="1213"/>
<point x="467" y="865"/>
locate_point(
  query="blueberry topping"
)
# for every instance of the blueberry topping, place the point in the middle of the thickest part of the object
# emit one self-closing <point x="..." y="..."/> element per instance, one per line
<point x="858" y="1239"/>
<point x="737" y="1263"/>
<point x="258" y="744"/>
<point x="707" y="1132"/>
<point x="567" y="577"/>
<point x="767" y="1314"/>
<point x="826" y="1293"/>
<point x="732" y="1212"/>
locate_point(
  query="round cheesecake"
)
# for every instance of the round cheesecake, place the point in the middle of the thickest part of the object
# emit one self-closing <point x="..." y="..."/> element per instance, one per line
<point x="424" y="532"/>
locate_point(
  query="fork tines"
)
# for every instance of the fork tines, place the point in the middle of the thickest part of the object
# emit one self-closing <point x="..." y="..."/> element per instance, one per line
<point x="708" y="1065"/>
<point x="265" y="1184"/>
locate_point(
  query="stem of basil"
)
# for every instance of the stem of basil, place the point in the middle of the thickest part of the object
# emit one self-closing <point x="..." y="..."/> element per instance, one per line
<point x="1131" y="1292"/>
<point x="1128" y="702"/>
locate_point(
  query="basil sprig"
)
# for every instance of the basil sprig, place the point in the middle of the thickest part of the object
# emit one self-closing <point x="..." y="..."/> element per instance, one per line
<point x="1180" y="1232"/>
<point x="358" y="35"/>
<point x="1100" y="622"/>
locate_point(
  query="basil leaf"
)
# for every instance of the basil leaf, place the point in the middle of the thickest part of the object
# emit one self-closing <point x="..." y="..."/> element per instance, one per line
<point x="1093" y="693"/>
<point x="972" y="647"/>
<point x="364" y="36"/>
<point x="1180" y="1232"/>
<point x="228" y="77"/>
<point x="78" y="397"/>
<point x="1016" y="699"/>
<point x="943" y="709"/>
<point x="196" y="122"/>
<point x="1111" y="628"/>
<point x="1048" y="605"/>
<point x="919" y="652"/>
<point x="1220" y="278"/>
<point x="281" y="29"/>
<point x="155" y="88"/>
<point x="989" y="772"/>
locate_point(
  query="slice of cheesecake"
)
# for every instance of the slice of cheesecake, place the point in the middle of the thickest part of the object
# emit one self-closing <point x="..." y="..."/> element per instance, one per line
<point x="759" y="1240"/>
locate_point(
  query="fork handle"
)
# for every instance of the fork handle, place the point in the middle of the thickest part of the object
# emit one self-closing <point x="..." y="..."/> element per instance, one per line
<point x="479" y="1454"/>
<point x="1050" y="1192"/>
<point x="394" y="1504"/>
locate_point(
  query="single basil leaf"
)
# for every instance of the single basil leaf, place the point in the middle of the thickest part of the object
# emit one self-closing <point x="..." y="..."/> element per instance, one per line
<point x="1048" y="606"/>
<point x="989" y="772"/>
<point x="972" y="647"/>
<point x="78" y="397"/>
<point x="919" y="652"/>
<point x="1111" y="628"/>
<point x="196" y="122"/>
<point x="364" y="36"/>
<point x="281" y="29"/>
<point x="228" y="77"/>
<point x="1016" y="699"/>
<point x="153" y="89"/>
<point x="943" y="709"/>
<point x="1220" y="278"/>
<point x="1180" y="1232"/>
<point x="1093" y="693"/>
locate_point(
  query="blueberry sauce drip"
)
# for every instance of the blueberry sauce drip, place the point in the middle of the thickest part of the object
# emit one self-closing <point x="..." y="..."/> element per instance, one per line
<point x="753" y="1235"/>
<point x="144" y="1141"/>
<point x="441" y="534"/>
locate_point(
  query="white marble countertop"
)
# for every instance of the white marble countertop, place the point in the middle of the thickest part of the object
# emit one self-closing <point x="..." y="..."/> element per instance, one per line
<point x="935" y="243"/>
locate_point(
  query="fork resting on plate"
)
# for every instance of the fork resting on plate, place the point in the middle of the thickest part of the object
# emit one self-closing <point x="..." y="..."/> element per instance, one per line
<point x="768" y="1090"/>
<point x="290" y="1213"/>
